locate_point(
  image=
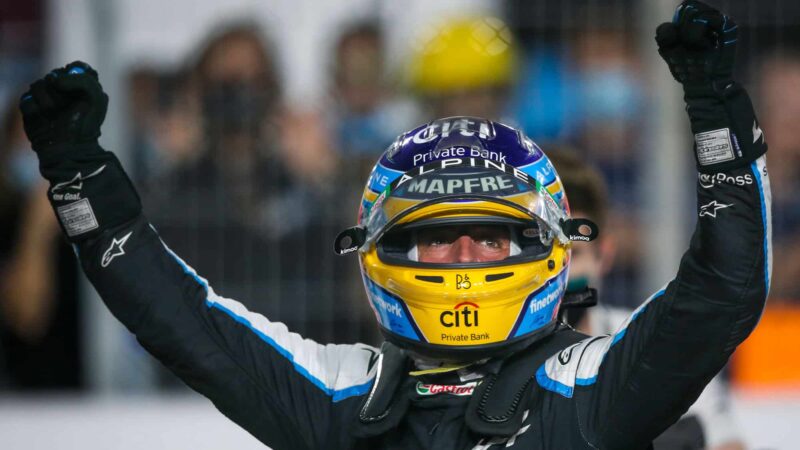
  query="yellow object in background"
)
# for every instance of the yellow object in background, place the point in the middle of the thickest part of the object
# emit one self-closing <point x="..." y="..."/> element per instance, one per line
<point x="464" y="54"/>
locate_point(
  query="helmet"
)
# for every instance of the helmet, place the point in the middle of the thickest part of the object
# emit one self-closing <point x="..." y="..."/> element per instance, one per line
<point x="483" y="45"/>
<point x="457" y="172"/>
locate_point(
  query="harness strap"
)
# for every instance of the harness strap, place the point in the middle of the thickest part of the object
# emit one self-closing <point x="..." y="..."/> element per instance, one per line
<point x="498" y="405"/>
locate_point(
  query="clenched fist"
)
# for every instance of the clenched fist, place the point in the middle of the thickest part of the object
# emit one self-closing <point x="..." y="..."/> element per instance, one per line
<point x="66" y="107"/>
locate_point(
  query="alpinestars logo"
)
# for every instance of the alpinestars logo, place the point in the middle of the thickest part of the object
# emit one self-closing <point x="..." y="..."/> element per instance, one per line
<point x="460" y="390"/>
<point x="76" y="183"/>
<point x="710" y="209"/>
<point x="757" y="133"/>
<point x="115" y="249"/>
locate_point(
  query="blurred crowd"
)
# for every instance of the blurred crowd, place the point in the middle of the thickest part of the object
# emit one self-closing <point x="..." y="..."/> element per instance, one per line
<point x="251" y="189"/>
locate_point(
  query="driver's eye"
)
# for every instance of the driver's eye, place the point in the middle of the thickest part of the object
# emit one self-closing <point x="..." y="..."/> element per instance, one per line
<point x="491" y="243"/>
<point x="437" y="238"/>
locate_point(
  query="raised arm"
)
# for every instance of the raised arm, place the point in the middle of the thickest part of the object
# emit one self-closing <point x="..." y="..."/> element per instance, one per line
<point x="278" y="386"/>
<point x="640" y="380"/>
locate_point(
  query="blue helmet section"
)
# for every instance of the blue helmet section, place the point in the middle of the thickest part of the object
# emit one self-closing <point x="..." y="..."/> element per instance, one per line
<point x="464" y="137"/>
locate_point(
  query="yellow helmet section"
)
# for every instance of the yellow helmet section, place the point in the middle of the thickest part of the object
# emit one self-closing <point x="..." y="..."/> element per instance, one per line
<point x="470" y="306"/>
<point x="463" y="54"/>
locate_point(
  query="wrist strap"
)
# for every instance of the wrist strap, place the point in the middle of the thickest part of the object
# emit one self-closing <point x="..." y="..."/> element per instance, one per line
<point x="726" y="132"/>
<point x="89" y="192"/>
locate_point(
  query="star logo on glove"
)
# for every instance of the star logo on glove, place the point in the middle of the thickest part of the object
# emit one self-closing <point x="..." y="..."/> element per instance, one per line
<point x="710" y="209"/>
<point x="115" y="249"/>
<point x="76" y="183"/>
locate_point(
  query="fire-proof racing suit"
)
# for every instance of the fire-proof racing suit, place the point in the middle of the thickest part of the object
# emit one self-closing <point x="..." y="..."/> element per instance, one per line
<point x="614" y="391"/>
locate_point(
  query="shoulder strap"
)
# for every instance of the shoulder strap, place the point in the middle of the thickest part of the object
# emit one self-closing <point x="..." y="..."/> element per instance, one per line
<point x="382" y="409"/>
<point x="498" y="405"/>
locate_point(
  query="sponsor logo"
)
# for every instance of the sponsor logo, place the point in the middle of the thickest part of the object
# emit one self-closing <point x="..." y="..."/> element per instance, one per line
<point x="465" y="126"/>
<point x="75" y="184"/>
<point x="463" y="162"/>
<point x="707" y="181"/>
<point x="373" y="358"/>
<point x="528" y="143"/>
<point x="391" y="308"/>
<point x="463" y="337"/>
<point x="392" y="150"/>
<point x="465" y="317"/>
<point x="578" y="237"/>
<point x="115" y="249"/>
<point x="461" y="390"/>
<point x="710" y="209"/>
<point x="565" y="355"/>
<point x="457" y="152"/>
<point x="540" y="304"/>
<point x="462" y="282"/>
<point x="452" y="185"/>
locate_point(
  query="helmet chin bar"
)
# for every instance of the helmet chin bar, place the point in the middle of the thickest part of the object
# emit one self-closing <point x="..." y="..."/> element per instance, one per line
<point x="468" y="353"/>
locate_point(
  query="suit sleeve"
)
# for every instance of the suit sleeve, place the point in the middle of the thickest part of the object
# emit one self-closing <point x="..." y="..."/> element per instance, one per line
<point x="630" y="386"/>
<point x="654" y="368"/>
<point x="281" y="388"/>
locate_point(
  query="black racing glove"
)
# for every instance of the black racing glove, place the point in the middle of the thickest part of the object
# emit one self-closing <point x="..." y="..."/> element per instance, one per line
<point x="89" y="190"/>
<point x="699" y="46"/>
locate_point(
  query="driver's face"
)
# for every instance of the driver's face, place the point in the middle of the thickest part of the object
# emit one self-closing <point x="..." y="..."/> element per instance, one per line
<point x="463" y="244"/>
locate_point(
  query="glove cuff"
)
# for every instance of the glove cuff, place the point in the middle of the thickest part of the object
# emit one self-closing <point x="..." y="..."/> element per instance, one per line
<point x="726" y="131"/>
<point x="89" y="191"/>
<point x="53" y="154"/>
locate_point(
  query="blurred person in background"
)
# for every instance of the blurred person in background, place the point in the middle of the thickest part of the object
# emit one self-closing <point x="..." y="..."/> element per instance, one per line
<point x="779" y="88"/>
<point x="164" y="130"/>
<point x="366" y="112"/>
<point x="39" y="311"/>
<point x="608" y="132"/>
<point x="709" y="423"/>
<point x="241" y="207"/>
<point x="464" y="66"/>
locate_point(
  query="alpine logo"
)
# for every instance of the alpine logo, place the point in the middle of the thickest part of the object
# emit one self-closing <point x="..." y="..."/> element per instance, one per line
<point x="115" y="249"/>
<point x="461" y="390"/>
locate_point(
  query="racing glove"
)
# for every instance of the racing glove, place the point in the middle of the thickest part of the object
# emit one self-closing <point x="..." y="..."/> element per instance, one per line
<point x="699" y="46"/>
<point x="89" y="190"/>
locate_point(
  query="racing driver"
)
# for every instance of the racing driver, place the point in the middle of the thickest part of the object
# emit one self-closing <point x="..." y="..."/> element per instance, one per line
<point x="463" y="240"/>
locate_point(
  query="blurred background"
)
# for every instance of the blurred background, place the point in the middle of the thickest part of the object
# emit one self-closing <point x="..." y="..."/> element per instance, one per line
<point x="249" y="128"/>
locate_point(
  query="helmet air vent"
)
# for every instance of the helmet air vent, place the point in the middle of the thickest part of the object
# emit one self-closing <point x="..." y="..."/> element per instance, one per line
<point x="498" y="276"/>
<point x="430" y="278"/>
